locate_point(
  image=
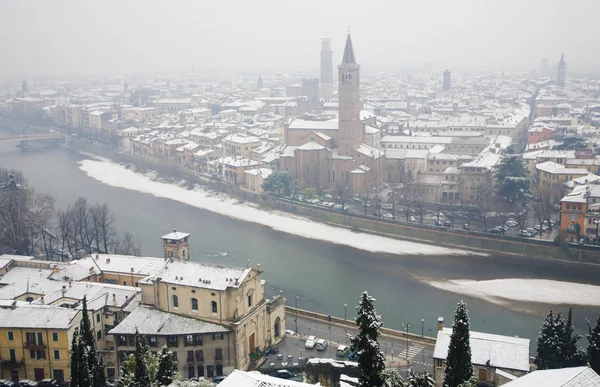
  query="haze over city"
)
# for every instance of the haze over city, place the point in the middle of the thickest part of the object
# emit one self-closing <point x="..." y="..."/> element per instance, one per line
<point x="74" y="37"/>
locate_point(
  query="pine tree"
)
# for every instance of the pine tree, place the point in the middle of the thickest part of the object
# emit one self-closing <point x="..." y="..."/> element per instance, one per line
<point x="550" y="343"/>
<point x="127" y="371"/>
<point x="140" y="374"/>
<point x="89" y="356"/>
<point x="371" y="361"/>
<point x="392" y="378"/>
<point x="458" y="362"/>
<point x="593" y="349"/>
<point x="573" y="355"/>
<point x="166" y="367"/>
<point x="75" y="360"/>
<point x="420" y="379"/>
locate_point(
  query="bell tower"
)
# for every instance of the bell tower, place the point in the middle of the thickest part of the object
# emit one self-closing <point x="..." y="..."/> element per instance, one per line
<point x="176" y="245"/>
<point x="351" y="132"/>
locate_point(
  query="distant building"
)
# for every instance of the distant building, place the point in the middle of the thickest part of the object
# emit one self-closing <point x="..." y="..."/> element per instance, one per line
<point x="446" y="85"/>
<point x="562" y="377"/>
<point x="562" y="71"/>
<point x="326" y="68"/>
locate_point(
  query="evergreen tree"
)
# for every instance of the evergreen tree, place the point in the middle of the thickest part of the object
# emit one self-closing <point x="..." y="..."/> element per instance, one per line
<point x="392" y="378"/>
<point x="85" y="378"/>
<point x="550" y="343"/>
<point x="140" y="374"/>
<point x="166" y="367"/>
<point x="420" y="379"/>
<point x="458" y="362"/>
<point x="593" y="349"/>
<point x="573" y="355"/>
<point x="89" y="356"/>
<point x="511" y="176"/>
<point x="371" y="361"/>
<point x="127" y="371"/>
<point x="75" y="360"/>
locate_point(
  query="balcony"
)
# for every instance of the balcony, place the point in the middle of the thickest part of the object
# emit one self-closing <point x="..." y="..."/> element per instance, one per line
<point x="12" y="362"/>
<point x="34" y="345"/>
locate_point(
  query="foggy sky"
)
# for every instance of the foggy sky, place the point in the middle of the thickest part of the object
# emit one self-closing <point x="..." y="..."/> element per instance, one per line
<point x="100" y="37"/>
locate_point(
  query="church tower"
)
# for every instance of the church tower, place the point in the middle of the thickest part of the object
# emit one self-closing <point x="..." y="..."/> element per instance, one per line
<point x="326" y="68"/>
<point x="176" y="245"/>
<point x="351" y="132"/>
<point x="560" y="77"/>
<point x="259" y="83"/>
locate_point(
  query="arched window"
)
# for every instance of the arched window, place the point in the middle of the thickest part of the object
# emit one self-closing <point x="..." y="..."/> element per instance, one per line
<point x="213" y="306"/>
<point x="175" y="301"/>
<point x="194" y="304"/>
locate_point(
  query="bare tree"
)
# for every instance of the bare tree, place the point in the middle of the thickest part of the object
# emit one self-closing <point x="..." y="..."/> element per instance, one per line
<point x="484" y="196"/>
<point x="343" y="194"/>
<point x="128" y="245"/>
<point x="544" y="205"/>
<point x="103" y="226"/>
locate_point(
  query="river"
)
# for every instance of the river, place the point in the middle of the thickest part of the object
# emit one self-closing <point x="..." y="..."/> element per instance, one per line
<point x="324" y="276"/>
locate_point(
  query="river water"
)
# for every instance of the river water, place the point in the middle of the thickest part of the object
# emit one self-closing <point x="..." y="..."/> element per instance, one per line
<point x="324" y="276"/>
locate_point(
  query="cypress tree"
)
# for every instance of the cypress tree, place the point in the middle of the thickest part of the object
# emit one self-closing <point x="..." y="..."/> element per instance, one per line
<point x="75" y="360"/>
<point x="140" y="375"/>
<point x="420" y="379"/>
<point x="593" y="349"/>
<point x="95" y="368"/>
<point x="550" y="343"/>
<point x="166" y="367"/>
<point x="573" y="356"/>
<point x="371" y="361"/>
<point x="458" y="362"/>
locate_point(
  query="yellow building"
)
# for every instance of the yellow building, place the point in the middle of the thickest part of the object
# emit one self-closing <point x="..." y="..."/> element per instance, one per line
<point x="552" y="176"/>
<point x="35" y="341"/>
<point x="239" y="144"/>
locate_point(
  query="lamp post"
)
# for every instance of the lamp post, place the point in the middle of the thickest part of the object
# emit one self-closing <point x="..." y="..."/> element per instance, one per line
<point x="422" y="326"/>
<point x="597" y="223"/>
<point x="296" y="315"/>
<point x="345" y="308"/>
<point x="345" y="326"/>
<point x="407" y="325"/>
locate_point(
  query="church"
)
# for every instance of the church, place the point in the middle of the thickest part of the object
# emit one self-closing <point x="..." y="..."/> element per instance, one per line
<point x="325" y="154"/>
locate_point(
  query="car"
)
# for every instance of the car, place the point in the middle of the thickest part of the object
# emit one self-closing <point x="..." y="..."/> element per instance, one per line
<point x="218" y="379"/>
<point x="284" y="374"/>
<point x="321" y="345"/>
<point x="466" y="226"/>
<point x="27" y="383"/>
<point x="532" y="231"/>
<point x="310" y="342"/>
<point x="495" y="231"/>
<point x="48" y="383"/>
<point x="438" y="223"/>
<point x="447" y="223"/>
<point x="342" y="351"/>
<point x="537" y="227"/>
<point x="387" y="216"/>
<point x="6" y="383"/>
<point x="352" y="355"/>
<point x="412" y="219"/>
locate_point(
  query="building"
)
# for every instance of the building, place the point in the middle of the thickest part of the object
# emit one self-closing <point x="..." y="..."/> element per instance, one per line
<point x="496" y="359"/>
<point x="326" y="68"/>
<point x="552" y="177"/>
<point x="35" y="341"/>
<point x="580" y="213"/>
<point x="259" y="83"/>
<point x="176" y="245"/>
<point x="562" y="377"/>
<point x="562" y="72"/>
<point x="254" y="379"/>
<point x="256" y="177"/>
<point x="446" y="84"/>
<point x="239" y="144"/>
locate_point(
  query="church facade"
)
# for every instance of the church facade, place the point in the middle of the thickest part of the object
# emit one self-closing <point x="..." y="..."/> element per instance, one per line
<point x="325" y="154"/>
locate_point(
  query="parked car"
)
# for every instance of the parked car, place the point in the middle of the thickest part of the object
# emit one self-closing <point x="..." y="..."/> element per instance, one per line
<point x="532" y="231"/>
<point x="387" y="216"/>
<point x="447" y="223"/>
<point x="495" y="231"/>
<point x="27" y="383"/>
<point x="342" y="351"/>
<point x="438" y="223"/>
<point x="412" y="219"/>
<point x="6" y="383"/>
<point x="218" y="379"/>
<point x="48" y="383"/>
<point x="310" y="342"/>
<point x="285" y="374"/>
<point x="321" y="345"/>
<point x="467" y="227"/>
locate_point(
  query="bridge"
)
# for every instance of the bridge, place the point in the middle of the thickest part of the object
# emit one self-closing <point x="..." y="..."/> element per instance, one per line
<point x="24" y="139"/>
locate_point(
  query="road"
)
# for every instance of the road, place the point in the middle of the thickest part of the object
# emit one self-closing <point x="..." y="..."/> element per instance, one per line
<point x="419" y="353"/>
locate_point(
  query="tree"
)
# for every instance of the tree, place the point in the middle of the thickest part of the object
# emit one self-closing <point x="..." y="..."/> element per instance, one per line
<point x="343" y="193"/>
<point x="571" y="143"/>
<point x="89" y="356"/>
<point x="544" y="205"/>
<point x="593" y="349"/>
<point x="573" y="356"/>
<point x="392" y="378"/>
<point x="166" y="367"/>
<point x="141" y="378"/>
<point x="128" y="245"/>
<point x="279" y="182"/>
<point x="371" y="361"/>
<point x="511" y="177"/>
<point x="420" y="379"/>
<point x="127" y="371"/>
<point x="550" y="343"/>
<point x="458" y="362"/>
<point x="484" y="195"/>
<point x="75" y="361"/>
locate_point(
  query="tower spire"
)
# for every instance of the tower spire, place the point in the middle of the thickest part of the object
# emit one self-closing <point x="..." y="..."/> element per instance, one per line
<point x="349" y="51"/>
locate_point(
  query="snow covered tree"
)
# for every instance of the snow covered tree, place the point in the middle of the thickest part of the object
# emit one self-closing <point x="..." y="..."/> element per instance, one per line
<point x="550" y="343"/>
<point x="166" y="367"/>
<point x="279" y="182"/>
<point x="593" y="349"/>
<point x="141" y="378"/>
<point x="511" y="176"/>
<point x="420" y="379"/>
<point x="458" y="362"/>
<point x="75" y="360"/>
<point x="392" y="378"/>
<point x="573" y="355"/>
<point x="371" y="361"/>
<point x="127" y="371"/>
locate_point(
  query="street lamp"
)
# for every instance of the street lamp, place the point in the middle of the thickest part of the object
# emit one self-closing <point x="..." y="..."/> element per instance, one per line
<point x="345" y="308"/>
<point x="345" y="326"/>
<point x="597" y="223"/>
<point x="422" y="325"/>
<point x="296" y="315"/>
<point x="407" y="325"/>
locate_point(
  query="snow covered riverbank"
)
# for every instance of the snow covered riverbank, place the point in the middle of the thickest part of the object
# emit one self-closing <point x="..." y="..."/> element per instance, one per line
<point x="506" y="291"/>
<point x="118" y="176"/>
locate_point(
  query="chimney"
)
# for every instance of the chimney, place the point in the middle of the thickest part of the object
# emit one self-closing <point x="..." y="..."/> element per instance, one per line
<point x="440" y="323"/>
<point x="107" y="260"/>
<point x="91" y="269"/>
<point x="258" y="266"/>
<point x="114" y="299"/>
<point x="97" y="257"/>
<point x="55" y="269"/>
<point x="248" y="264"/>
<point x="132" y="270"/>
<point x="64" y="290"/>
<point x="70" y="282"/>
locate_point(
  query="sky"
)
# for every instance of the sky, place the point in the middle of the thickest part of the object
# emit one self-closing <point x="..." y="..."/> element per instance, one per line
<point x="75" y="37"/>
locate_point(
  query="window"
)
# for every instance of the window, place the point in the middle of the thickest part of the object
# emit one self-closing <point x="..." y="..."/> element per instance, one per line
<point x="59" y="375"/>
<point x="209" y="371"/>
<point x="219" y="369"/>
<point x="190" y="356"/>
<point x="213" y="306"/>
<point x="197" y="339"/>
<point x="41" y="354"/>
<point x="152" y="341"/>
<point x="11" y="336"/>
<point x="218" y="354"/>
<point x="30" y="338"/>
<point x="40" y="336"/>
<point x="175" y="301"/>
<point x="217" y="336"/>
<point x="13" y="355"/>
<point x="199" y="355"/>
<point x="124" y="283"/>
<point x="98" y="318"/>
<point x="189" y="340"/>
<point x="172" y="341"/>
<point x="200" y="371"/>
<point x="54" y="336"/>
<point x="573" y="217"/>
<point x="250" y="301"/>
<point x="98" y="335"/>
<point x="56" y="354"/>
<point x="32" y="353"/>
<point x="194" y="304"/>
<point x="191" y="372"/>
<point x="438" y="362"/>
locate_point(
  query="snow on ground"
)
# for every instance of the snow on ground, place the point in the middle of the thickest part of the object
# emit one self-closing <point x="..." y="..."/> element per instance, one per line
<point x="501" y="291"/>
<point x="117" y="176"/>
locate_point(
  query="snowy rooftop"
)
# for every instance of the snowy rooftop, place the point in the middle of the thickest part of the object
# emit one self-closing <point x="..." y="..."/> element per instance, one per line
<point x="484" y="160"/>
<point x="311" y="146"/>
<point x="500" y="351"/>
<point x="255" y="379"/>
<point x="176" y="235"/>
<point x="123" y="264"/>
<point x="149" y="321"/>
<point x="562" y="377"/>
<point x="17" y="274"/>
<point x="201" y="275"/>
<point x="314" y="125"/>
<point x="241" y="138"/>
<point x="36" y="316"/>
<point x="559" y="169"/>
